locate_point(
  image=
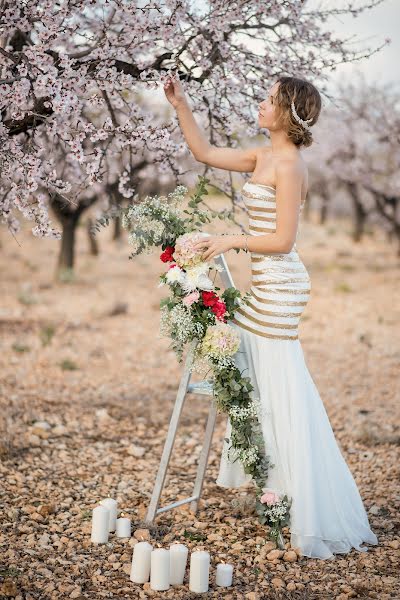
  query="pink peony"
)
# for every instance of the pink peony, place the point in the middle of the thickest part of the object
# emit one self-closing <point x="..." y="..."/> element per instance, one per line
<point x="269" y="498"/>
<point x="190" y="298"/>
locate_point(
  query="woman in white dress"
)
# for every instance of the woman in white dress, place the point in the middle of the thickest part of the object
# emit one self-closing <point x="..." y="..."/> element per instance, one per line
<point x="327" y="515"/>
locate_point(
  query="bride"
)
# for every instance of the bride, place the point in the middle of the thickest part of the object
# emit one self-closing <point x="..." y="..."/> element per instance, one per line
<point x="327" y="515"/>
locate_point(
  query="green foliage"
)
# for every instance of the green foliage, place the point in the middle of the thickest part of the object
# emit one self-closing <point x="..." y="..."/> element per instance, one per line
<point x="66" y="275"/>
<point x="46" y="334"/>
<point x="194" y="537"/>
<point x="20" y="347"/>
<point x="68" y="365"/>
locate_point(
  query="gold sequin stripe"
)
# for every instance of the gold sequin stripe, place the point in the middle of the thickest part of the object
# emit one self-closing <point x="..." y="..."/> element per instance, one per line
<point x="268" y="290"/>
<point x="278" y="257"/>
<point x="268" y="269"/>
<point x="266" y="209"/>
<point x="273" y="313"/>
<point x="279" y="281"/>
<point x="266" y="323"/>
<point x="262" y="333"/>
<point x="259" y="218"/>
<point x="253" y="228"/>
<point x="283" y="302"/>
<point x="268" y="257"/>
<point x="255" y="196"/>
<point x="265" y="185"/>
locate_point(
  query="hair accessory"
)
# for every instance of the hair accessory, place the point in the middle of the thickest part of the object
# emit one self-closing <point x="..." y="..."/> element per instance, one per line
<point x="296" y="116"/>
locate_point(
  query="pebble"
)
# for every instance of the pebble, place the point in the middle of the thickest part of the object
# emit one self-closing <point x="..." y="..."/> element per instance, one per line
<point x="136" y="451"/>
<point x="142" y="534"/>
<point x="290" y="556"/>
<point x="275" y="554"/>
<point x="277" y="582"/>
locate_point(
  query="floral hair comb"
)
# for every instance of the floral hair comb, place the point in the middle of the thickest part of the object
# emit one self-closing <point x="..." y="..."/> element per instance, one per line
<point x="301" y="121"/>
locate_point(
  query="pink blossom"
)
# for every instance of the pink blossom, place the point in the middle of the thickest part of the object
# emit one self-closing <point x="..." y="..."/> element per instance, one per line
<point x="190" y="298"/>
<point x="269" y="498"/>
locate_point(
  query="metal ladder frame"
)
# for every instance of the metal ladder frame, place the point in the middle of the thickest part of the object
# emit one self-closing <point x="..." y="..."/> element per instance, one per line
<point x="185" y="387"/>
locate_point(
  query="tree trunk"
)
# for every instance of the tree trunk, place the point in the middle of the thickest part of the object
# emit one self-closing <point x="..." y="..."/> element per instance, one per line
<point x="93" y="245"/>
<point x="66" y="256"/>
<point x="360" y="218"/>
<point x="117" y="229"/>
<point x="360" y="214"/>
<point x="324" y="209"/>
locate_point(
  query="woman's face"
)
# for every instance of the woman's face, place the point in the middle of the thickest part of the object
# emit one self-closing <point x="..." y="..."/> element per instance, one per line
<point x="268" y="110"/>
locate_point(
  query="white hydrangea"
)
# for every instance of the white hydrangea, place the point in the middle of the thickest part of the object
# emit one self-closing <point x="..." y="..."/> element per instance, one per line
<point x="175" y="274"/>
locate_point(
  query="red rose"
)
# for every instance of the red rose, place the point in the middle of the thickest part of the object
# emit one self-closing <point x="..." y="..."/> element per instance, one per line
<point x="173" y="265"/>
<point x="219" y="309"/>
<point x="209" y="298"/>
<point x="166" y="256"/>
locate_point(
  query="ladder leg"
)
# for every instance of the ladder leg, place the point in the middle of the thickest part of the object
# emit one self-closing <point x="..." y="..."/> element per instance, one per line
<point x="170" y="439"/>
<point x="202" y="466"/>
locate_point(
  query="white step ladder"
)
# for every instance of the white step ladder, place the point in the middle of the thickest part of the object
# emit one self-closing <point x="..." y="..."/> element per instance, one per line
<point x="185" y="387"/>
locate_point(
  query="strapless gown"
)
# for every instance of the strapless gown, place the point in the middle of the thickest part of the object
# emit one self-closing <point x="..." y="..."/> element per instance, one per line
<point x="327" y="513"/>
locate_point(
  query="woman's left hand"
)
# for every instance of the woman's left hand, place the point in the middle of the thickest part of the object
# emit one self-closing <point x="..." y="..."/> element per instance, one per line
<point x="214" y="245"/>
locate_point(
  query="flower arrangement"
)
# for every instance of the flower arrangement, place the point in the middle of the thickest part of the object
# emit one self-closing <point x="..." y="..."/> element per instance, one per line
<point x="195" y="311"/>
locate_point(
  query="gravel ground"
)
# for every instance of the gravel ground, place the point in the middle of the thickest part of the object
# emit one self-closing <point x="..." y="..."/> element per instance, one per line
<point x="87" y="389"/>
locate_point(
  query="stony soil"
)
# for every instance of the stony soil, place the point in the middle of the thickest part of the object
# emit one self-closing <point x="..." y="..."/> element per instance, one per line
<point x="87" y="389"/>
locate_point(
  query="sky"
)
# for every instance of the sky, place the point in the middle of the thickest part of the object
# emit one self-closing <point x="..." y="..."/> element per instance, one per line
<point x="370" y="29"/>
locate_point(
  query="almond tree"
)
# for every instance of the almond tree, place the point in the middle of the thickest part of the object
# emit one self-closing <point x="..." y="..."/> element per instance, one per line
<point x="359" y="153"/>
<point x="73" y="120"/>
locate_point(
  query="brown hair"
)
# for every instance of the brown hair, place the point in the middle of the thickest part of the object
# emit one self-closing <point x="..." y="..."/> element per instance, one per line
<point x="307" y="102"/>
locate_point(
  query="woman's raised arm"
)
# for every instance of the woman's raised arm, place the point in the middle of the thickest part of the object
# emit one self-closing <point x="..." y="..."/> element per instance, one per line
<point x="231" y="159"/>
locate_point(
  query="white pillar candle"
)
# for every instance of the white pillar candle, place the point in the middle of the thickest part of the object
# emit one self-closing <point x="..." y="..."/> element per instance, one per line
<point x="178" y="554"/>
<point x="224" y="575"/>
<point x="100" y="523"/>
<point x="199" y="571"/>
<point x="140" y="568"/>
<point x="123" y="527"/>
<point x="159" y="573"/>
<point x="112" y="506"/>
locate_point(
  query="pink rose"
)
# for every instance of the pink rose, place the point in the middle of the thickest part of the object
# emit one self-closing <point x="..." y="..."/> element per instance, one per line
<point x="190" y="298"/>
<point x="269" y="498"/>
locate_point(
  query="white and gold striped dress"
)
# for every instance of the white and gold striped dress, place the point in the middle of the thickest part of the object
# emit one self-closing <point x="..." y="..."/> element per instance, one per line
<point x="280" y="282"/>
<point x="327" y="515"/>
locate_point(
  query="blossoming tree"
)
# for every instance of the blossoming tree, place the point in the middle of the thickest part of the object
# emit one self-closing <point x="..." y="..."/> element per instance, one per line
<point x="73" y="120"/>
<point x="358" y="153"/>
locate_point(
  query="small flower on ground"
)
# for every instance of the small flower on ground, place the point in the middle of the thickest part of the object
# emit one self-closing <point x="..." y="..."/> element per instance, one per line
<point x="269" y="498"/>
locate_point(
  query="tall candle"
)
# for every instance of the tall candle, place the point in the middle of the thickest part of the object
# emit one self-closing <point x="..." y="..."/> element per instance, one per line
<point x="199" y="571"/>
<point x="159" y="573"/>
<point x="140" y="569"/>
<point x="123" y="527"/>
<point x="178" y="554"/>
<point x="100" y="524"/>
<point x="224" y="575"/>
<point x="112" y="506"/>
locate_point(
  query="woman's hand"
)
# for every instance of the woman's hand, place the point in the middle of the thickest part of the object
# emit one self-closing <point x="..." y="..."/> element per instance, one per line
<point x="174" y="91"/>
<point x="214" y="245"/>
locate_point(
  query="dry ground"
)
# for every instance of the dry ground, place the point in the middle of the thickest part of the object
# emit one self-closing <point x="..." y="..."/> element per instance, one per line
<point x="105" y="385"/>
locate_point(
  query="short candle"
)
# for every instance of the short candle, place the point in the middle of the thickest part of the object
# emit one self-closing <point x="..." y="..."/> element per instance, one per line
<point x="199" y="571"/>
<point x="100" y="524"/>
<point x="112" y="506"/>
<point x="224" y="575"/>
<point x="159" y="571"/>
<point x="178" y="554"/>
<point x="123" y="527"/>
<point x="140" y="569"/>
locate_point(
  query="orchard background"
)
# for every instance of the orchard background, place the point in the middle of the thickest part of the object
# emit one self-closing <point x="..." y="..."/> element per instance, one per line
<point x="87" y="385"/>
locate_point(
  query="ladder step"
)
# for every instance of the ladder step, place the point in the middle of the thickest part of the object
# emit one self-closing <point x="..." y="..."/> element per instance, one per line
<point x="202" y="387"/>
<point x="175" y="504"/>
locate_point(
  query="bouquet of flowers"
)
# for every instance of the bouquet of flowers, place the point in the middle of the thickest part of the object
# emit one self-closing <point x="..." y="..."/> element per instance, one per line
<point x="195" y="310"/>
